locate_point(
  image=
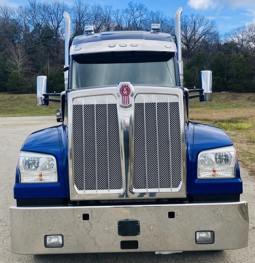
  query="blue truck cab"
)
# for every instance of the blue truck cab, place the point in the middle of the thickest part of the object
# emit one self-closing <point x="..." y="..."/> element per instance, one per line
<point x="127" y="171"/>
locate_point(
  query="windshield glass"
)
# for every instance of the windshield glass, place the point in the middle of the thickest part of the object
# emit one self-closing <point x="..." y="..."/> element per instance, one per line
<point x="139" y="68"/>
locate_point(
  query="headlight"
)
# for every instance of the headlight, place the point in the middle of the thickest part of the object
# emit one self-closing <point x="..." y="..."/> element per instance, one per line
<point x="37" y="168"/>
<point x="217" y="163"/>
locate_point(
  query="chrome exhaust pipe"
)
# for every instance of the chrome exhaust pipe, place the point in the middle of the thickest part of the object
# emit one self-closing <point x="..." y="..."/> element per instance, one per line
<point x="67" y="41"/>
<point x="177" y="19"/>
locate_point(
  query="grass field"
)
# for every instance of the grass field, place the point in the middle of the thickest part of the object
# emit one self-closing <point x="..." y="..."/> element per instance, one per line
<point x="232" y="112"/>
<point x="12" y="105"/>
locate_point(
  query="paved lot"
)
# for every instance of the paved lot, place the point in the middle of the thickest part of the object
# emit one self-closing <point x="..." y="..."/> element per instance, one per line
<point x="13" y="132"/>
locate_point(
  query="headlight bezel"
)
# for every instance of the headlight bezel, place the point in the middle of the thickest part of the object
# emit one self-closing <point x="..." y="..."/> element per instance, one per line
<point x="227" y="158"/>
<point x="46" y="172"/>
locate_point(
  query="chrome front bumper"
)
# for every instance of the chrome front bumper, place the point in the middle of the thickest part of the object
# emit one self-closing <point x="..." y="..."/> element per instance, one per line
<point x="162" y="227"/>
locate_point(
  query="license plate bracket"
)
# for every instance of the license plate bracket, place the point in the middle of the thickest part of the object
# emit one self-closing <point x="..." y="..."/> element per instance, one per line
<point x="129" y="227"/>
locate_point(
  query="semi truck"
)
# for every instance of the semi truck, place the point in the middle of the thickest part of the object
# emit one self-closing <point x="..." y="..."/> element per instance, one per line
<point x="127" y="171"/>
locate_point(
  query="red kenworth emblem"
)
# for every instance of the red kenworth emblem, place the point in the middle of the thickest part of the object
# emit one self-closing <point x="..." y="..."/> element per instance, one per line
<point x="125" y="91"/>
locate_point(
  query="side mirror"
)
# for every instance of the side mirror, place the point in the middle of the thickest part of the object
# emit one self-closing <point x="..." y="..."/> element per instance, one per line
<point x="206" y="82"/>
<point x="41" y="89"/>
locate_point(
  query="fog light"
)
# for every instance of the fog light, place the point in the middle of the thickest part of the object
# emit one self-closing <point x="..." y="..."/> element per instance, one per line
<point x="54" y="241"/>
<point x="204" y="237"/>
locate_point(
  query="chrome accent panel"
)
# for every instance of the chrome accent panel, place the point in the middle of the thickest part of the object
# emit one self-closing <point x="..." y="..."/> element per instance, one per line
<point x="100" y="103"/>
<point x="96" y="146"/>
<point x="157" y="144"/>
<point x="159" y="233"/>
<point x="152" y="100"/>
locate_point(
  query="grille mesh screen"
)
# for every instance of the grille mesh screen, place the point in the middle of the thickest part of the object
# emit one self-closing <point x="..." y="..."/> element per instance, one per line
<point x="157" y="146"/>
<point x="96" y="148"/>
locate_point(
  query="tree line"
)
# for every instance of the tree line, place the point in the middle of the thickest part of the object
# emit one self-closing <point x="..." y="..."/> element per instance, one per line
<point x="32" y="43"/>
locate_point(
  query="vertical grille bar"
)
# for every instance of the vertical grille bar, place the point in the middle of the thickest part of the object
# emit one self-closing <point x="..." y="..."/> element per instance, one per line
<point x="83" y="151"/>
<point x="169" y="138"/>
<point x="158" y="157"/>
<point x="176" y="157"/>
<point x="95" y="128"/>
<point x="145" y="146"/>
<point x="107" y="139"/>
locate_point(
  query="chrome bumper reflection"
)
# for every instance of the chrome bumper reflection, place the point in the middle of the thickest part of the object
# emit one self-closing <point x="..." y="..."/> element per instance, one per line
<point x="162" y="227"/>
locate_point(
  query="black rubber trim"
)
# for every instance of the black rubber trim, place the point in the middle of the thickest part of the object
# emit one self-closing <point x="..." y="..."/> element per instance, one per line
<point x="214" y="198"/>
<point x="189" y="199"/>
<point x="42" y="202"/>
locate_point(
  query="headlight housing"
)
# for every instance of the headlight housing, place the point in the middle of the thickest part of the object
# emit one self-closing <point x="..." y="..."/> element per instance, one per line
<point x="37" y="168"/>
<point x="217" y="163"/>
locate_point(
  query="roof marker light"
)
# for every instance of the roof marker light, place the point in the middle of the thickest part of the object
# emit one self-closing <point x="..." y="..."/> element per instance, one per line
<point x="111" y="45"/>
<point x="89" y="30"/>
<point x="155" y="28"/>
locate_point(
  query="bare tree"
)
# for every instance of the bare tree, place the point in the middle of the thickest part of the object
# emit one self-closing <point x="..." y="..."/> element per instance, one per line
<point x="135" y="16"/>
<point x="244" y="37"/>
<point x="197" y="30"/>
<point x="17" y="61"/>
<point x="23" y="20"/>
<point x="158" y="17"/>
<point x="118" y="20"/>
<point x="108" y="22"/>
<point x="34" y="13"/>
<point x="96" y="17"/>
<point x="81" y="16"/>
<point x="10" y="29"/>
<point x="53" y="16"/>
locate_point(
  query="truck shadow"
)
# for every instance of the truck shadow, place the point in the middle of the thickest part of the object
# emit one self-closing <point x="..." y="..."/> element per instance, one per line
<point x="200" y="256"/>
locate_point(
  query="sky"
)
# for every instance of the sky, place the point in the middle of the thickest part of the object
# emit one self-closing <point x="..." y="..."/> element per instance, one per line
<point x="228" y="14"/>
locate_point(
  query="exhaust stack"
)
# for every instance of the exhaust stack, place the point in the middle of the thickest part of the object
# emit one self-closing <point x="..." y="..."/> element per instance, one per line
<point x="67" y="41"/>
<point x="177" y="19"/>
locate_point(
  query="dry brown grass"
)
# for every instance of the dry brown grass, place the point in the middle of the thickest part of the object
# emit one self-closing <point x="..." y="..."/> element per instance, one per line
<point x="223" y="114"/>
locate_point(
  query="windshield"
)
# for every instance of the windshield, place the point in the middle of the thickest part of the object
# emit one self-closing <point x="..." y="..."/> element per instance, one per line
<point x="108" y="69"/>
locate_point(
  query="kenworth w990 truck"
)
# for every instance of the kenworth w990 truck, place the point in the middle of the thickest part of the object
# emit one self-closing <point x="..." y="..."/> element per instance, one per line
<point x="127" y="170"/>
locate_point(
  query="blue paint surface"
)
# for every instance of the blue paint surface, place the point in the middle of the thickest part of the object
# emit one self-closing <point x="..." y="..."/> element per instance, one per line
<point x="51" y="141"/>
<point x="199" y="137"/>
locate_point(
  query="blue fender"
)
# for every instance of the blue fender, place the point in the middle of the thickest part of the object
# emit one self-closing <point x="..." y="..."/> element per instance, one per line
<point x="200" y="137"/>
<point x="51" y="141"/>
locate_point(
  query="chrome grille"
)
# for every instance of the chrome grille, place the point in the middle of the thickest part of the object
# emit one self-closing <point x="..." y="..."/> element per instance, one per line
<point x="96" y="148"/>
<point x="157" y="162"/>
